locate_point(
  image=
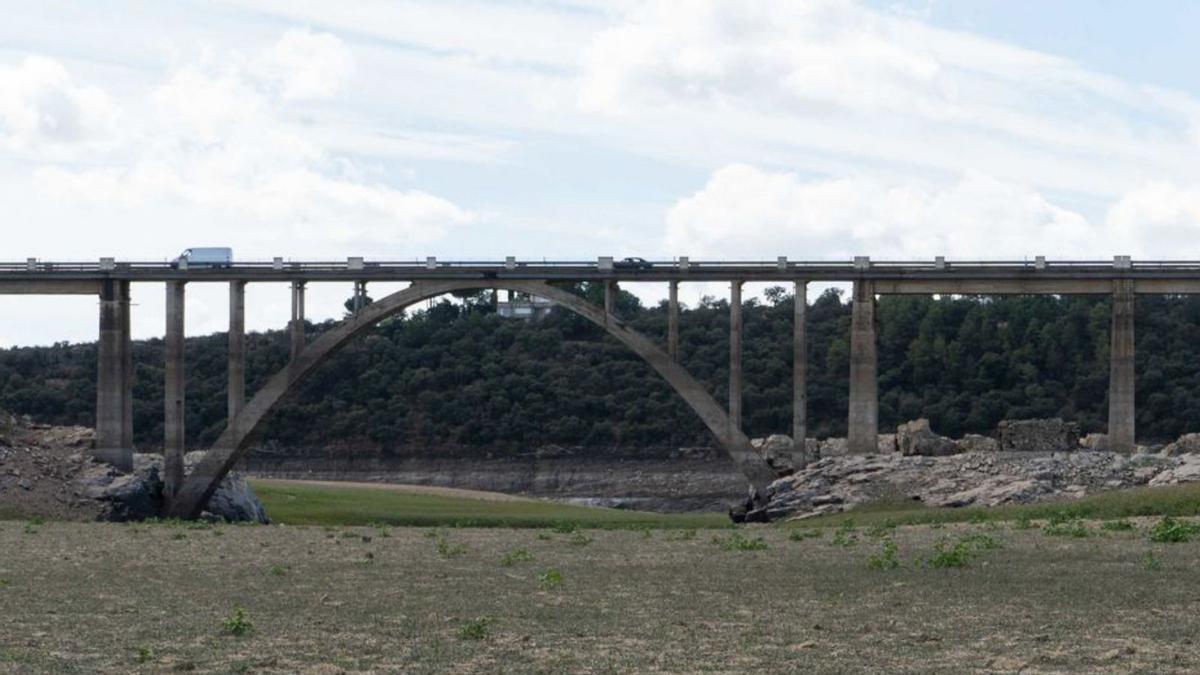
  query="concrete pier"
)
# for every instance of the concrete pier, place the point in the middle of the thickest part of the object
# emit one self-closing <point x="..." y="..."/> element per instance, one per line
<point x="360" y="297"/>
<point x="735" y="354"/>
<point x="862" y="434"/>
<point x="799" y="376"/>
<point x="114" y="375"/>
<point x="1121" y="370"/>
<point x="296" y="325"/>
<point x="610" y="298"/>
<point x="673" y="320"/>
<point x="173" y="391"/>
<point x="236" y="398"/>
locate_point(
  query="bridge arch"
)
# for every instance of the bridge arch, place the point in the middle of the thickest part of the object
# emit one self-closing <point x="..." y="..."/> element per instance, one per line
<point x="234" y="441"/>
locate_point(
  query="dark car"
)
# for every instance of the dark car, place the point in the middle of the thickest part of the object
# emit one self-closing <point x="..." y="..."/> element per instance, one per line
<point x="633" y="264"/>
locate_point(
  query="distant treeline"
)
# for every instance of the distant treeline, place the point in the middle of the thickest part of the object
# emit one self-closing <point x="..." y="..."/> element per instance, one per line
<point x="457" y="376"/>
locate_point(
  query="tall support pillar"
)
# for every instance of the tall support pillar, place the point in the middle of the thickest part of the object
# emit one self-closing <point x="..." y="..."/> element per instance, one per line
<point x="173" y="392"/>
<point x="735" y="354"/>
<point x="610" y="298"/>
<point x="1121" y="370"/>
<point x="863" y="432"/>
<point x="673" y="321"/>
<point x="296" y="325"/>
<point x="799" y="376"/>
<point x="360" y="297"/>
<point x="237" y="348"/>
<point x="114" y="370"/>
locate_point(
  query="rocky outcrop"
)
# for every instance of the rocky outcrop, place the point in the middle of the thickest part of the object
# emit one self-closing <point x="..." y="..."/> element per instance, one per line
<point x="970" y="479"/>
<point x="1042" y="435"/>
<point x="1094" y="442"/>
<point x="915" y="438"/>
<point x="49" y="472"/>
<point x="1184" y="444"/>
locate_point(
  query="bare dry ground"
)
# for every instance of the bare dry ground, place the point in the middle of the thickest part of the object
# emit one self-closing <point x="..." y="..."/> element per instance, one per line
<point x="87" y="597"/>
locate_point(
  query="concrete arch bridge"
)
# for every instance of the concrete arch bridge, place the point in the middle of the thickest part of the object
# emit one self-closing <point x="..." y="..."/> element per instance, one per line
<point x="186" y="496"/>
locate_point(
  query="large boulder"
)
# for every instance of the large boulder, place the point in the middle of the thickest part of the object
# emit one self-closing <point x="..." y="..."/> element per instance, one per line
<point x="834" y="447"/>
<point x="977" y="443"/>
<point x="138" y="495"/>
<point x="915" y="438"/>
<point x="886" y="444"/>
<point x="776" y="451"/>
<point x="1095" y="442"/>
<point x="1039" y="435"/>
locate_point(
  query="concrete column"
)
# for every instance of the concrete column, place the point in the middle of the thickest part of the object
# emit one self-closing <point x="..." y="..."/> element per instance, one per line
<point x="610" y="297"/>
<point x="113" y="370"/>
<point x="735" y="354"/>
<point x="862" y="436"/>
<point x="237" y="348"/>
<point x="173" y="391"/>
<point x="673" y="321"/>
<point x="360" y="296"/>
<point x="296" y="325"/>
<point x="799" y="376"/>
<point x="1121" y="371"/>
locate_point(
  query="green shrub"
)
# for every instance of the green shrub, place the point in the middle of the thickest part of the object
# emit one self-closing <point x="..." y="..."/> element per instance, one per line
<point x="144" y="654"/>
<point x="980" y="541"/>
<point x="946" y="555"/>
<point x="1069" y="528"/>
<point x="278" y="571"/>
<point x="565" y="527"/>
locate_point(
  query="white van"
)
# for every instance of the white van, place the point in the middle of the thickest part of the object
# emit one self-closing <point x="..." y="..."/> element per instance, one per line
<point x="204" y="257"/>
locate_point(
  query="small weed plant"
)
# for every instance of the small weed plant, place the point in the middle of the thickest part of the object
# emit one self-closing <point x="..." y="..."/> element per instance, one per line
<point x="238" y="623"/>
<point x="681" y="535"/>
<point x="886" y="559"/>
<point x="144" y="654"/>
<point x="476" y="629"/>
<point x="801" y="535"/>
<point x="550" y="579"/>
<point x="565" y="527"/>
<point x="946" y="555"/>
<point x="579" y="539"/>
<point x="516" y="556"/>
<point x="881" y="530"/>
<point x="1120" y="525"/>
<point x="278" y="571"/>
<point x="448" y="549"/>
<point x="980" y="541"/>
<point x="1075" y="529"/>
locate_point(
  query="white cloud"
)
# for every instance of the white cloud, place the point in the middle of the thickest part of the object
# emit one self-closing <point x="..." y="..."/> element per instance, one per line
<point x="744" y="211"/>
<point x="1157" y="217"/>
<point x="306" y="65"/>
<point x="42" y="109"/>
<point x="216" y="140"/>
<point x="817" y="82"/>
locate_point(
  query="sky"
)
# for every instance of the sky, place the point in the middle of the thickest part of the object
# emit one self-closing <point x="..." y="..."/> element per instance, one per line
<point x="571" y="129"/>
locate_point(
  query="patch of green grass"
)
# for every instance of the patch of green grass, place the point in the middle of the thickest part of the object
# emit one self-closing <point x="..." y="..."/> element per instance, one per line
<point x="740" y="542"/>
<point x="144" y="654"/>
<point x="277" y="571"/>
<point x="947" y="555"/>
<point x="1119" y="525"/>
<point x="579" y="539"/>
<point x="801" y="535"/>
<point x="1172" y="531"/>
<point x="1169" y="500"/>
<point x="686" y="534"/>
<point x="292" y="503"/>
<point x="515" y="556"/>
<point x="1069" y="528"/>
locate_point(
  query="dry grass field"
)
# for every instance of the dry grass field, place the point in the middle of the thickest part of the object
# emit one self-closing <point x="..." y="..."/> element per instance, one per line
<point x="1074" y="596"/>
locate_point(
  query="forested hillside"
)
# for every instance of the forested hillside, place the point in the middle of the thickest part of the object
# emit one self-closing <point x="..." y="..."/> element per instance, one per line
<point x="457" y="376"/>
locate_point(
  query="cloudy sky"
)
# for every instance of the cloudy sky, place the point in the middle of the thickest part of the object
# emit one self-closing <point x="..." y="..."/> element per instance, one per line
<point x="816" y="129"/>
